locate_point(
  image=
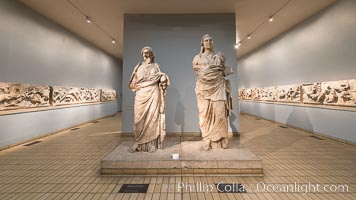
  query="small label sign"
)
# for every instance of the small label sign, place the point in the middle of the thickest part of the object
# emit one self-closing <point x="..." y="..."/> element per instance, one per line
<point x="175" y="156"/>
<point x="134" y="188"/>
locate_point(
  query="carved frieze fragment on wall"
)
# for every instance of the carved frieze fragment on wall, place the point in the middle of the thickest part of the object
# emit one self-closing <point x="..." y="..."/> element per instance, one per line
<point x="269" y="94"/>
<point x="66" y="95"/>
<point x="312" y="93"/>
<point x="247" y="94"/>
<point x="341" y="93"/>
<point x="108" y="95"/>
<point x="256" y="94"/>
<point x="16" y="96"/>
<point x="289" y="93"/>
<point x="89" y="95"/>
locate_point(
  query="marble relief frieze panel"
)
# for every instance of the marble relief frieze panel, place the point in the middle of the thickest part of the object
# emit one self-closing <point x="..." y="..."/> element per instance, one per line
<point x="247" y="94"/>
<point x="66" y="95"/>
<point x="108" y="95"/>
<point x="289" y="93"/>
<point x="312" y="93"/>
<point x="89" y="95"/>
<point x="340" y="93"/>
<point x="269" y="94"/>
<point x="336" y="93"/>
<point x="16" y="96"/>
<point x="256" y="94"/>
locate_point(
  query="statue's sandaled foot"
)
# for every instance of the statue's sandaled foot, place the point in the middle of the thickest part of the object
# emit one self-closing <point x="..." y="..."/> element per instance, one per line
<point x="206" y="145"/>
<point x="152" y="149"/>
<point x="216" y="144"/>
<point x="224" y="143"/>
<point x="133" y="148"/>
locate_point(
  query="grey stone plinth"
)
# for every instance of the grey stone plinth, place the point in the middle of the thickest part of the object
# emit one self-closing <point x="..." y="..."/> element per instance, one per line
<point x="193" y="160"/>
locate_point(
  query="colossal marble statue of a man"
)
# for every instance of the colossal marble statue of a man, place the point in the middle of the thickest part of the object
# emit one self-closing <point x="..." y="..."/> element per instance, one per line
<point x="150" y="86"/>
<point x="213" y="93"/>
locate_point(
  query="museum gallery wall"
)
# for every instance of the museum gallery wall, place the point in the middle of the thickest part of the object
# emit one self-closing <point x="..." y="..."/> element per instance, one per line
<point x="305" y="78"/>
<point x="51" y="80"/>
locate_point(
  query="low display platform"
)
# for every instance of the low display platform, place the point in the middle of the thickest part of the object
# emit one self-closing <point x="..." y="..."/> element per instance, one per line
<point x="192" y="160"/>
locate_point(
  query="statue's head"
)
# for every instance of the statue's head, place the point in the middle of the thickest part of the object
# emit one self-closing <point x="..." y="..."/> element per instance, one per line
<point x="147" y="52"/>
<point x="206" y="42"/>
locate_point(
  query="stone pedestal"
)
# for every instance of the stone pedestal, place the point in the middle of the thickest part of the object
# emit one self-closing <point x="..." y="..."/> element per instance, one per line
<point x="192" y="161"/>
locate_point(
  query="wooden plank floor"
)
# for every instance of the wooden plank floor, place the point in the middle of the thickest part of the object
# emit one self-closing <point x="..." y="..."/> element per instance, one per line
<point x="66" y="166"/>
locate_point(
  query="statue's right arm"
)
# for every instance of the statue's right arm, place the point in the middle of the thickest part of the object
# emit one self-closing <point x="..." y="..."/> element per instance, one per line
<point x="195" y="63"/>
<point x="132" y="86"/>
<point x="132" y="83"/>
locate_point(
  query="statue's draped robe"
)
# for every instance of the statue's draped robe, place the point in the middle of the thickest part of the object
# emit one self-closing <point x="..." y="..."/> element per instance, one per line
<point x="149" y="117"/>
<point x="213" y="96"/>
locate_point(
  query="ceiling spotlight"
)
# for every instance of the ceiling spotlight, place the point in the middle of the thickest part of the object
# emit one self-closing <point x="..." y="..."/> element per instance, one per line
<point x="249" y="37"/>
<point x="113" y="41"/>
<point x="237" y="45"/>
<point x="270" y="19"/>
<point x="88" y="19"/>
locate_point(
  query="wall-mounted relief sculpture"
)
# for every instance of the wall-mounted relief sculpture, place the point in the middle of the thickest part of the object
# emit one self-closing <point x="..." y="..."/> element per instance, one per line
<point x="256" y="94"/>
<point x="90" y="95"/>
<point x="269" y="94"/>
<point x="341" y="93"/>
<point x="338" y="93"/>
<point x="108" y="95"/>
<point x="15" y="96"/>
<point x="312" y="93"/>
<point x="289" y="93"/>
<point x="74" y="95"/>
<point x="246" y="94"/>
<point x="66" y="95"/>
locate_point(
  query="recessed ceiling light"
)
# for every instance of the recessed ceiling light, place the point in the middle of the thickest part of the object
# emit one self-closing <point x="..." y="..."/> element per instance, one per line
<point x="238" y="45"/>
<point x="88" y="19"/>
<point x="249" y="37"/>
<point x="270" y="19"/>
<point x="113" y="41"/>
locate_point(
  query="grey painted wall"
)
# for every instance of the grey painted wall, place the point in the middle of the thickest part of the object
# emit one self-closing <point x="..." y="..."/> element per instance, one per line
<point x="35" y="50"/>
<point x="335" y="123"/>
<point x="20" y="127"/>
<point x="175" y="40"/>
<point x="322" y="48"/>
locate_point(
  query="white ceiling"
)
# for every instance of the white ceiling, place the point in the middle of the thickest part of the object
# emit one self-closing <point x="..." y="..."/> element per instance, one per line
<point x="109" y="15"/>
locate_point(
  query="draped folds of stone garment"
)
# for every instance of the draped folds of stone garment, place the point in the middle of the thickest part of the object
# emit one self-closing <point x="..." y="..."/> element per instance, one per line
<point x="213" y="95"/>
<point x="149" y="108"/>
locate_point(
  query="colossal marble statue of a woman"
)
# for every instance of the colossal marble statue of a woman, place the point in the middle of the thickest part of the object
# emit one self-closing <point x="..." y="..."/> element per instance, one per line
<point x="213" y="93"/>
<point x="150" y="86"/>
